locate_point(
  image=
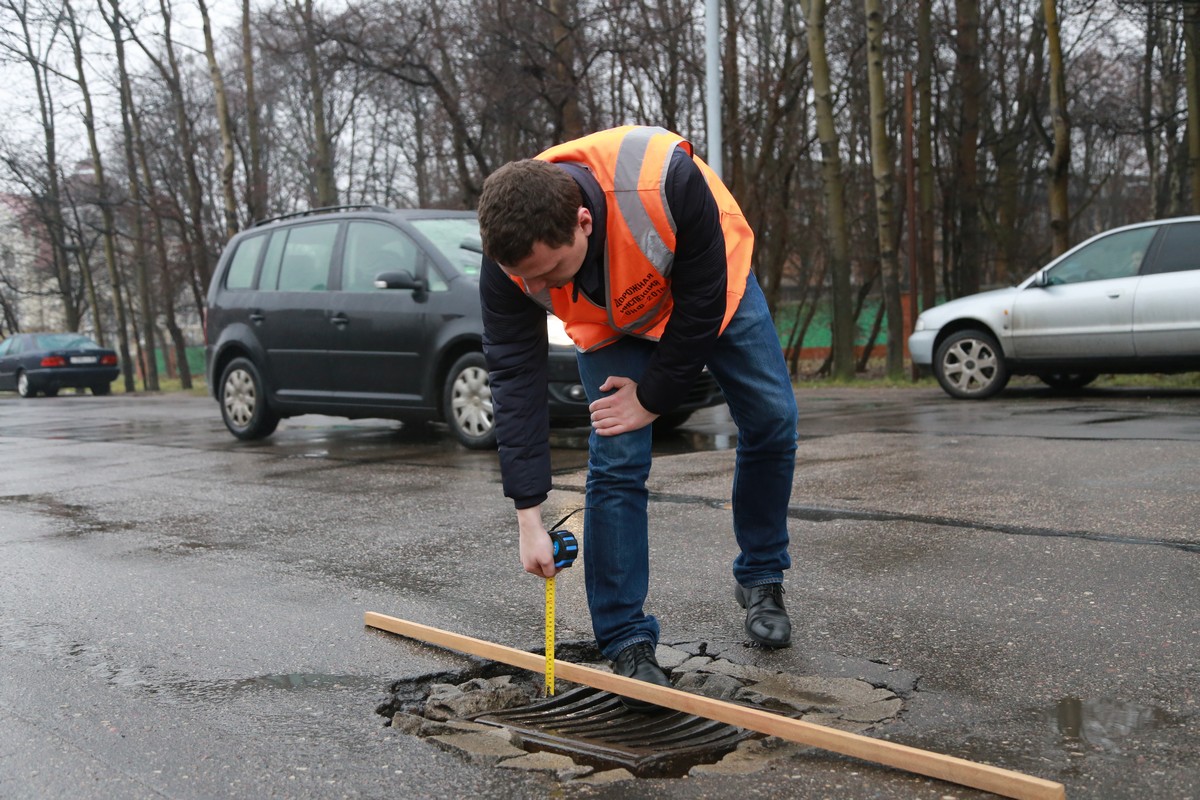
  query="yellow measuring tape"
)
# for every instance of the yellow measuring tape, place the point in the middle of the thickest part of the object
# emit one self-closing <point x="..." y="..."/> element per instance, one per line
<point x="549" y="636"/>
<point x="565" y="549"/>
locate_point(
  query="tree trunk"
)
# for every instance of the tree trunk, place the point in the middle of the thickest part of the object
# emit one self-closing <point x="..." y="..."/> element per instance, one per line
<point x="885" y="179"/>
<point x="323" y="155"/>
<point x="970" y="86"/>
<point x="1191" y="32"/>
<point x="835" y="192"/>
<point x="925" y="188"/>
<point x="567" y="84"/>
<point x="146" y="349"/>
<point x="256" y="193"/>
<point x="223" y="121"/>
<point x="167" y="285"/>
<point x="1059" y="166"/>
<point x="1146" y="109"/>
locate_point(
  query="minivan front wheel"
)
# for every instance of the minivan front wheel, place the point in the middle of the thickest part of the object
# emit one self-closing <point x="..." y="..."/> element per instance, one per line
<point x="970" y="366"/>
<point x="467" y="402"/>
<point x="243" y="399"/>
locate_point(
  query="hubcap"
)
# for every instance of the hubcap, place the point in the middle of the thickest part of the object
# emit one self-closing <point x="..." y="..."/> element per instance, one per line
<point x="471" y="402"/>
<point x="970" y="366"/>
<point x="240" y="397"/>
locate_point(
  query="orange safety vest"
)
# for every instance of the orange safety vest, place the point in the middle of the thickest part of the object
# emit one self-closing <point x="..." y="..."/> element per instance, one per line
<point x="630" y="164"/>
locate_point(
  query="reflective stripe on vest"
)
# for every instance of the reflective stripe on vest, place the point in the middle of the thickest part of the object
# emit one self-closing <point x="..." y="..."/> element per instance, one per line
<point x="631" y="164"/>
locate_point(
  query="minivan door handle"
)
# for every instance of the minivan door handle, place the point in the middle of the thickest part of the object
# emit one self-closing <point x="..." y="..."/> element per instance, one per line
<point x="257" y="316"/>
<point x="339" y="319"/>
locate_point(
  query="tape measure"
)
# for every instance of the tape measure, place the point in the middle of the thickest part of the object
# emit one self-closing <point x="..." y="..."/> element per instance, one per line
<point x="566" y="547"/>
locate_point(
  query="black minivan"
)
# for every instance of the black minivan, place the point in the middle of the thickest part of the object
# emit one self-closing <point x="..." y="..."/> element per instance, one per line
<point x="365" y="311"/>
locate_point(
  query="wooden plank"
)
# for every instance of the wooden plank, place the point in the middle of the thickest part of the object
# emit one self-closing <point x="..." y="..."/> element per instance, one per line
<point x="922" y="762"/>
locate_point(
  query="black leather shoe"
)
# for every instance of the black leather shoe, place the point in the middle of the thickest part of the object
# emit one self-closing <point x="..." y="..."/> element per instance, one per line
<point x="766" y="619"/>
<point x="638" y="662"/>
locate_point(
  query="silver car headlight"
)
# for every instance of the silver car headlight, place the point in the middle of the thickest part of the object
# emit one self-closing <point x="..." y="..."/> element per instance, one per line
<point x="920" y="326"/>
<point x="557" y="332"/>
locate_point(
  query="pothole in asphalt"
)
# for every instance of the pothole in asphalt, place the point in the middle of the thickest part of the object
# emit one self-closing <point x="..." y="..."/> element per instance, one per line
<point x="494" y="715"/>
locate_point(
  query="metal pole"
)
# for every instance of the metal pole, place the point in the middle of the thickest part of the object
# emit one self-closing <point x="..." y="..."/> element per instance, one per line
<point x="712" y="68"/>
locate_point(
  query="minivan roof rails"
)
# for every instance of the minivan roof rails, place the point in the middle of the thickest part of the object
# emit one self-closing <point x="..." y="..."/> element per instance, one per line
<point x="323" y="210"/>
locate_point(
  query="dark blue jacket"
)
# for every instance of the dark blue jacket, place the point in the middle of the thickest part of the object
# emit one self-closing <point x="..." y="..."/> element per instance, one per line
<point x="514" y="327"/>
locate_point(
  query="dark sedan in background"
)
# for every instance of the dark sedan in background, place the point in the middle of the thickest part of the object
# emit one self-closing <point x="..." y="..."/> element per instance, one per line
<point x="46" y="362"/>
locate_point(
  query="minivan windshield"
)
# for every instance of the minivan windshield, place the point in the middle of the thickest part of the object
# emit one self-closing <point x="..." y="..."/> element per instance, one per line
<point x="457" y="238"/>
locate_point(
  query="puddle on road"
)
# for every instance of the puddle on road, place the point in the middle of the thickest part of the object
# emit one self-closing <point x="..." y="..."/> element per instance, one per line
<point x="1102" y="724"/>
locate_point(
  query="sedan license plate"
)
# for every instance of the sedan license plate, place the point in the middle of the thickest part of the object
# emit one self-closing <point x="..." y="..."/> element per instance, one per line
<point x="83" y="359"/>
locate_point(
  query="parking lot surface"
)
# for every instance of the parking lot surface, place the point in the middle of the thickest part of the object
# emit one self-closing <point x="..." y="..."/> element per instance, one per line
<point x="181" y="614"/>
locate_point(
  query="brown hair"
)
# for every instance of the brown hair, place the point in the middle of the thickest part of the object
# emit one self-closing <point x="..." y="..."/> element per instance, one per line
<point x="525" y="202"/>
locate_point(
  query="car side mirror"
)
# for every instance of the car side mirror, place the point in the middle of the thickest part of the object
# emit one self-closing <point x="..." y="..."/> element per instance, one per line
<point x="402" y="280"/>
<point x="1041" y="280"/>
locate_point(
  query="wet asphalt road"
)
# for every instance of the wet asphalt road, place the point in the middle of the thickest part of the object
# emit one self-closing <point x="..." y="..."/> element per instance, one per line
<point x="181" y="613"/>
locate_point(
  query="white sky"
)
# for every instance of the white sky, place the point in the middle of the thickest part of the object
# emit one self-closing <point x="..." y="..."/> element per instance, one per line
<point x="19" y="119"/>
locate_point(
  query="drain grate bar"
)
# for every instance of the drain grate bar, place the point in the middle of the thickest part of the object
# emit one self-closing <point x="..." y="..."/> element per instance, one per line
<point x="593" y="727"/>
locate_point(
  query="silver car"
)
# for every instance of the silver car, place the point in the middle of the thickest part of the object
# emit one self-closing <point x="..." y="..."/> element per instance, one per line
<point x="1127" y="300"/>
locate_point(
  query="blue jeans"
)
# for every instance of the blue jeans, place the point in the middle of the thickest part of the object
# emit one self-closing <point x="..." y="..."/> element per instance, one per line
<point x="748" y="364"/>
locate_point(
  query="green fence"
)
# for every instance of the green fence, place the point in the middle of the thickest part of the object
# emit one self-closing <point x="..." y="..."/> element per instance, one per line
<point x="819" y="334"/>
<point x="195" y="359"/>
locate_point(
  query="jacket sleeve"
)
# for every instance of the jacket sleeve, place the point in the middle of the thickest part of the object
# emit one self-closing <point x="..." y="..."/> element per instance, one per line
<point x="515" y="346"/>
<point x="698" y="281"/>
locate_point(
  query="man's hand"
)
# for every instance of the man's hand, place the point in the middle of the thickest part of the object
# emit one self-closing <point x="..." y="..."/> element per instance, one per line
<point x="537" y="550"/>
<point x="621" y="411"/>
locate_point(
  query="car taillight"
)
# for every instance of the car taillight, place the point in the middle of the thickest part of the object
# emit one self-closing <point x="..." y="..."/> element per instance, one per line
<point x="54" y="361"/>
<point x="108" y="361"/>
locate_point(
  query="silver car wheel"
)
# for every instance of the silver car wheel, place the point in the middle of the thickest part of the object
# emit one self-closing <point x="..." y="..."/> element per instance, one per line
<point x="471" y="402"/>
<point x="23" y="387"/>
<point x="240" y="397"/>
<point x="970" y="366"/>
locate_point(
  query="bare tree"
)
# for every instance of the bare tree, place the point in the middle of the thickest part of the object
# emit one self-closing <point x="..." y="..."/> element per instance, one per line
<point x="256" y="194"/>
<point x="831" y="173"/>
<point x="182" y="133"/>
<point x="970" y="90"/>
<point x="925" y="166"/>
<point x="104" y="195"/>
<point x="1059" y="166"/>
<point x="146" y="351"/>
<point x="226" y="124"/>
<point x="23" y="46"/>
<point x="1191" y="29"/>
<point x="882" y="163"/>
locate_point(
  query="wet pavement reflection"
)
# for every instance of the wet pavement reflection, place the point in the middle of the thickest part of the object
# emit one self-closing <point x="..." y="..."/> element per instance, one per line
<point x="1102" y="724"/>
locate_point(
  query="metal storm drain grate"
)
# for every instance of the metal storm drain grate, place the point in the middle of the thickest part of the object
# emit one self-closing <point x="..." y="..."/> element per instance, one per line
<point x="593" y="727"/>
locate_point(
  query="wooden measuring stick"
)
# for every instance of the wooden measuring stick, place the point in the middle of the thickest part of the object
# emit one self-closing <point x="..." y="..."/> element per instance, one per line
<point x="922" y="762"/>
